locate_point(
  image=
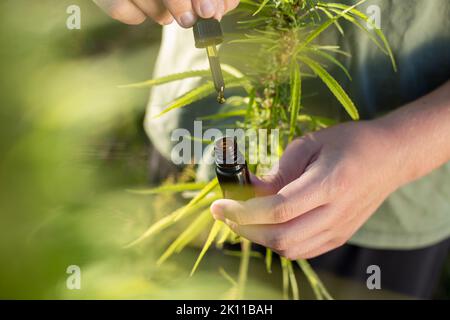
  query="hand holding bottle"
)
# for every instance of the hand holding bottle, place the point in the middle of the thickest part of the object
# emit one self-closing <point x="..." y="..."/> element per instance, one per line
<point x="331" y="181"/>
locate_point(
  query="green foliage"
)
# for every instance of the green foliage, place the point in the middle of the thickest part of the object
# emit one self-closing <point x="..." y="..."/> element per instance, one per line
<point x="269" y="260"/>
<point x="192" y="231"/>
<point x="283" y="35"/>
<point x="212" y="235"/>
<point x="202" y="199"/>
<point x="319" y="289"/>
<point x="199" y="93"/>
<point x="170" y="188"/>
<point x="296" y="93"/>
<point x="169" y="78"/>
<point x="334" y="87"/>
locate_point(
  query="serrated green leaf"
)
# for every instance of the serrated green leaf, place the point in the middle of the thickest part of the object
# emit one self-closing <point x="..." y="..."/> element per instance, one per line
<point x="330" y="15"/>
<point x="313" y="35"/>
<point x="379" y="33"/>
<point x="332" y="59"/>
<point x="350" y="18"/>
<point x="333" y="86"/>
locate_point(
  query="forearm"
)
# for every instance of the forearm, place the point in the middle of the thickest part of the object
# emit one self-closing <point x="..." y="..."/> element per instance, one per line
<point x="419" y="134"/>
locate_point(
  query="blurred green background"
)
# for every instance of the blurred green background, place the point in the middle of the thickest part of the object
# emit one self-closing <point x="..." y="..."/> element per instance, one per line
<point x="71" y="143"/>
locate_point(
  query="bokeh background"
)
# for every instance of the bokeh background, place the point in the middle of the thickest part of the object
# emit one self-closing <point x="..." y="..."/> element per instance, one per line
<point x="71" y="144"/>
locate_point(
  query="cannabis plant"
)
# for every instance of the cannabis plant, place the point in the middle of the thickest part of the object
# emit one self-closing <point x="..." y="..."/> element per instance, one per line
<point x="284" y="33"/>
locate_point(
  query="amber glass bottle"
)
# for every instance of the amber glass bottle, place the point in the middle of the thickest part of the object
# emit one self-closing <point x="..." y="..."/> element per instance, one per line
<point x="231" y="170"/>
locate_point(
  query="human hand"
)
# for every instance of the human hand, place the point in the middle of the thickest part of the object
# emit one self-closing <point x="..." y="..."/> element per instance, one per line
<point x="327" y="185"/>
<point x="185" y="12"/>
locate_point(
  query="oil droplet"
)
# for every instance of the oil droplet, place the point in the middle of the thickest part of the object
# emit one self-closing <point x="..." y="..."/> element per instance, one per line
<point x="221" y="96"/>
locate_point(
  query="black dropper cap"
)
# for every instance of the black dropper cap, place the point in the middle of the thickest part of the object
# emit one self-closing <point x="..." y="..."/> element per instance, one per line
<point x="207" y="32"/>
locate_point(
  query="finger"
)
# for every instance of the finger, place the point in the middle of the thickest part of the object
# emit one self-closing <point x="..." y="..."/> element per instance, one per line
<point x="156" y="10"/>
<point x="123" y="10"/>
<point x="320" y="250"/>
<point x="301" y="196"/>
<point x="206" y="8"/>
<point x="182" y="11"/>
<point x="308" y="248"/>
<point x="261" y="187"/>
<point x="220" y="11"/>
<point x="286" y="237"/>
<point x="293" y="163"/>
<point x="230" y="5"/>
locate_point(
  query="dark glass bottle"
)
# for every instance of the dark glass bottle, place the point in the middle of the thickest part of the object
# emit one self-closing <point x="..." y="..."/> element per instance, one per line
<point x="231" y="170"/>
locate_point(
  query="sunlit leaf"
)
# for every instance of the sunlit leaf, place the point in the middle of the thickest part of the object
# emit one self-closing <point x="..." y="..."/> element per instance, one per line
<point x="227" y="277"/>
<point x="203" y="194"/>
<point x="379" y="33"/>
<point x="202" y="91"/>
<point x="172" y="218"/>
<point x="330" y="15"/>
<point x="285" y="276"/>
<point x="334" y="87"/>
<point x="246" y="249"/>
<point x="319" y="289"/>
<point x="170" y="188"/>
<point x="224" y="115"/>
<point x="192" y="231"/>
<point x="199" y="201"/>
<point x="332" y="59"/>
<point x="212" y="235"/>
<point x="296" y="92"/>
<point x="268" y="260"/>
<point x="311" y="37"/>
<point x="293" y="281"/>
<point x="371" y="36"/>
<point x="261" y="7"/>
<point x="169" y="78"/>
<point x="224" y="233"/>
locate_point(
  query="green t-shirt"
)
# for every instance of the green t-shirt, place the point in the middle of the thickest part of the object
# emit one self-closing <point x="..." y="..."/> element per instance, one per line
<point x="416" y="215"/>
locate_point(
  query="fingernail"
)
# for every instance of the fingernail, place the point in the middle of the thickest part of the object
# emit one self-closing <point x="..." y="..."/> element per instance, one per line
<point x="207" y="8"/>
<point x="187" y="19"/>
<point x="168" y="21"/>
<point x="217" y="211"/>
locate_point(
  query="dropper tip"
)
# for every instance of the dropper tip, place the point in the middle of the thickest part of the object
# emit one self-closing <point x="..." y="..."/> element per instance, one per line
<point x="221" y="95"/>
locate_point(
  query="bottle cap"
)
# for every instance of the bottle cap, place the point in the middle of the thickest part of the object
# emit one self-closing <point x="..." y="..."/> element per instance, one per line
<point x="207" y="32"/>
